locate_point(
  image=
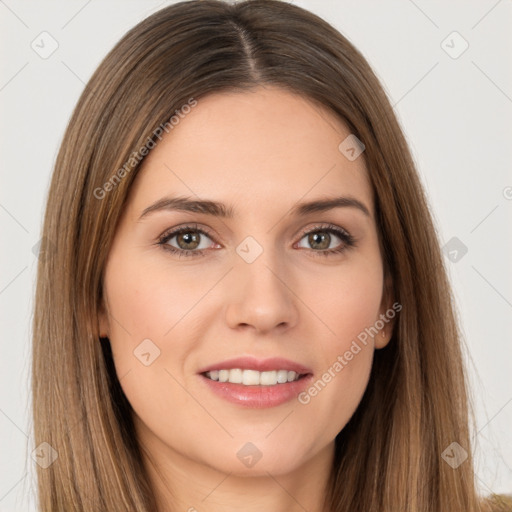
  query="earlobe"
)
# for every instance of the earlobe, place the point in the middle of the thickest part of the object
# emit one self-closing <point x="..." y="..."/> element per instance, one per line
<point x="382" y="339"/>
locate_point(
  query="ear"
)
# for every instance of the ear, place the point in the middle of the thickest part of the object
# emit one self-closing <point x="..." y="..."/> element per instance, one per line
<point x="103" y="322"/>
<point x="387" y="313"/>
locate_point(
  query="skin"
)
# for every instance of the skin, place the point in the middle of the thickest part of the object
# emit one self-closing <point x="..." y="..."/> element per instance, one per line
<point x="260" y="152"/>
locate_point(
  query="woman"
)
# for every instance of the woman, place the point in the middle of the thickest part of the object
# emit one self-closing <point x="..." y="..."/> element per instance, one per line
<point x="246" y="303"/>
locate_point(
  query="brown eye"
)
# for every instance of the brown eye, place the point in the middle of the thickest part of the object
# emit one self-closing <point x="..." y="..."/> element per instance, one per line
<point x="320" y="238"/>
<point x="190" y="241"/>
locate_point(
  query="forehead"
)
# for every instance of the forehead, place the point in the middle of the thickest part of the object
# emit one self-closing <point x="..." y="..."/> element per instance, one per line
<point x="258" y="148"/>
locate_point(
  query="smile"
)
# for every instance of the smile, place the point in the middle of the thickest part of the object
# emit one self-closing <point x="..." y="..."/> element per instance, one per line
<point x="253" y="377"/>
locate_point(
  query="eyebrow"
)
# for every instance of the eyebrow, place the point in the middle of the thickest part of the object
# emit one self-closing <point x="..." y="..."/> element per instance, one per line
<point x="217" y="209"/>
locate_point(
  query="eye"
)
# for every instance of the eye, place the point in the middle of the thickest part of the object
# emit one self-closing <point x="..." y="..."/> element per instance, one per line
<point x="321" y="237"/>
<point x="188" y="241"/>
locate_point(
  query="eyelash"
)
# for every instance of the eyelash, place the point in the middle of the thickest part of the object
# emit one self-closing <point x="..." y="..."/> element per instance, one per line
<point x="348" y="240"/>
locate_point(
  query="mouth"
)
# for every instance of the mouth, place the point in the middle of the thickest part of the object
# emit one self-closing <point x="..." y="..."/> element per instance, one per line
<point x="253" y="383"/>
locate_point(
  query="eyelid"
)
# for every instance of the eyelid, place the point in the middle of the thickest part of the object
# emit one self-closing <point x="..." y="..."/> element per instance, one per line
<point x="188" y="225"/>
<point x="206" y="231"/>
<point x="322" y="225"/>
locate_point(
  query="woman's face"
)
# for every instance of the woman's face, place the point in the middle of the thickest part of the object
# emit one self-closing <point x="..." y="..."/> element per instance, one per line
<point x="262" y="283"/>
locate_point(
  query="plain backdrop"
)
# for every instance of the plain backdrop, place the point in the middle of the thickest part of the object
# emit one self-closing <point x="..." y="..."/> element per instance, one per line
<point x="452" y="93"/>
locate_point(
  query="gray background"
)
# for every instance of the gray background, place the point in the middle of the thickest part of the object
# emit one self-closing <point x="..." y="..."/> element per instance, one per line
<point x="456" y="114"/>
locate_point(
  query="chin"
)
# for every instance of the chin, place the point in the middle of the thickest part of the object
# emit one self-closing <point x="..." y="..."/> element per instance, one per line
<point x="259" y="457"/>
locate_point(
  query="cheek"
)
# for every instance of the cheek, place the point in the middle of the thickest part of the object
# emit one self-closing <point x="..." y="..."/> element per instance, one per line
<point x="146" y="302"/>
<point x="347" y="301"/>
<point x="348" y="305"/>
<point x="151" y="336"/>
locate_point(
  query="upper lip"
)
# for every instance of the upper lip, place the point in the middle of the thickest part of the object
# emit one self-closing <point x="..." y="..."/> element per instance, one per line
<point x="261" y="365"/>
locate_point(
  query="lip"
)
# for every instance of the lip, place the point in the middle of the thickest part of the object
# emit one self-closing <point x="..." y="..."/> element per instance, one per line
<point x="262" y="365"/>
<point x="258" y="397"/>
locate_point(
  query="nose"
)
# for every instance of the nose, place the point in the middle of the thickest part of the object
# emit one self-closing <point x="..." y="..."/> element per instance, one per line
<point x="260" y="296"/>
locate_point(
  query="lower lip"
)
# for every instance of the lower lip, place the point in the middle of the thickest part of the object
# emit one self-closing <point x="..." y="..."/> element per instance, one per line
<point x="258" y="397"/>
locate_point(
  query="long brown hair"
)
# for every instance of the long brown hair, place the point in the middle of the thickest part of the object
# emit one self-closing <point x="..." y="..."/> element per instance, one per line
<point x="391" y="456"/>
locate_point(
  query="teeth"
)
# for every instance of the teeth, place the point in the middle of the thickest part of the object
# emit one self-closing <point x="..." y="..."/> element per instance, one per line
<point x="282" y="376"/>
<point x="235" y="376"/>
<point x="268" y="378"/>
<point x="253" y="377"/>
<point x="249" y="377"/>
